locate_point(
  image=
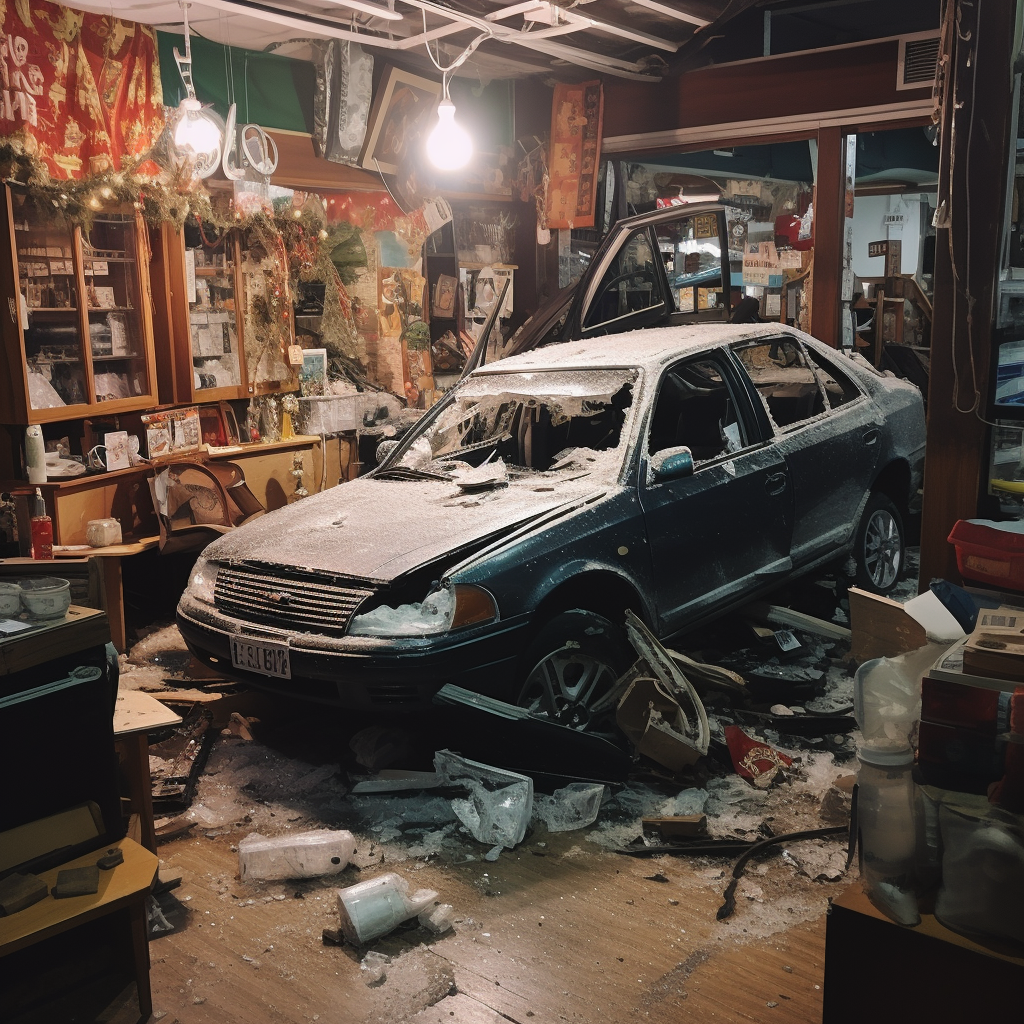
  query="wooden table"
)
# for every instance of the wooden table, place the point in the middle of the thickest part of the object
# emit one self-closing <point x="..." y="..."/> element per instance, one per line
<point x="109" y="559"/>
<point x="125" y="886"/>
<point x="135" y="715"/>
<point x="879" y="971"/>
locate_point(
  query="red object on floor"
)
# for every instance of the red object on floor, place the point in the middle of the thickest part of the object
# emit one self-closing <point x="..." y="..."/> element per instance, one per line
<point x="754" y="760"/>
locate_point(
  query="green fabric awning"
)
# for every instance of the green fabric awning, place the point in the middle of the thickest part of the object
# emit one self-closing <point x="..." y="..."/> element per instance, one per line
<point x="269" y="90"/>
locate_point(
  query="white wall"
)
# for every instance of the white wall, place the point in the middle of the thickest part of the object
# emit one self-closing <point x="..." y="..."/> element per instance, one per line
<point x="868" y="212"/>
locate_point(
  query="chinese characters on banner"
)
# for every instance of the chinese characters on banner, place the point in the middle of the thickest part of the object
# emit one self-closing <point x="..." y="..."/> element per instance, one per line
<point x="576" y="114"/>
<point x="82" y="90"/>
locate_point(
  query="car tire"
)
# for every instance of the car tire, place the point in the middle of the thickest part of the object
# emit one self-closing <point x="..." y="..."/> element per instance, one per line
<point x="879" y="546"/>
<point x="575" y="659"/>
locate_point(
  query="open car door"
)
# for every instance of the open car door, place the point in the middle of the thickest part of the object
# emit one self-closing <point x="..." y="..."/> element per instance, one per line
<point x="667" y="267"/>
<point x="670" y="266"/>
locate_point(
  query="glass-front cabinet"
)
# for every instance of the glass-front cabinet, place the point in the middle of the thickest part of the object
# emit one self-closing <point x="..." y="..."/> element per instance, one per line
<point x="79" y="323"/>
<point x="199" y="322"/>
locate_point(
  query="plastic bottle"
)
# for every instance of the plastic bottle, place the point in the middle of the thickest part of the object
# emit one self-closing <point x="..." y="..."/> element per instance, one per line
<point x="886" y="812"/>
<point x="304" y="855"/>
<point x="42" y="528"/>
<point x="35" y="455"/>
<point x="371" y="909"/>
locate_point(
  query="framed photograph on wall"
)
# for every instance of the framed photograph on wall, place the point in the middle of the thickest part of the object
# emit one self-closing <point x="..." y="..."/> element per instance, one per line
<point x="402" y="115"/>
<point x="314" y="367"/>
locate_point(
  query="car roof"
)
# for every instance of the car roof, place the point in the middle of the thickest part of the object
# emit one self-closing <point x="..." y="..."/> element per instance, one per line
<point x="651" y="348"/>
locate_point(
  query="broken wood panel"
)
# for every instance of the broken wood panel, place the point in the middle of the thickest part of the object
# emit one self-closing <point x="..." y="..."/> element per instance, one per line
<point x="881" y="627"/>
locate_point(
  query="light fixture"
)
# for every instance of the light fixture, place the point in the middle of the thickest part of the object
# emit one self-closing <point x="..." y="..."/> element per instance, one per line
<point x="197" y="133"/>
<point x="449" y="145"/>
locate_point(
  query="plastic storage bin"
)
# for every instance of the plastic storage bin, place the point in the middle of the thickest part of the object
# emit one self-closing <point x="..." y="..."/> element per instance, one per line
<point x="331" y="414"/>
<point x="990" y="553"/>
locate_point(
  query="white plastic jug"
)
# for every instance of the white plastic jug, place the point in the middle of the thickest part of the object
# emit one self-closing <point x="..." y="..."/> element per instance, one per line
<point x="303" y="855"/>
<point x="375" y="907"/>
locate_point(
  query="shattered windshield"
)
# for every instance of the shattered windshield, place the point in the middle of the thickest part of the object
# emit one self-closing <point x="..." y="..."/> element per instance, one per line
<point x="529" y="422"/>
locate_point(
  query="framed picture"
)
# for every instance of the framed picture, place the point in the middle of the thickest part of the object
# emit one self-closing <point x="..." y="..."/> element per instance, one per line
<point x="401" y="115"/>
<point x="314" y="365"/>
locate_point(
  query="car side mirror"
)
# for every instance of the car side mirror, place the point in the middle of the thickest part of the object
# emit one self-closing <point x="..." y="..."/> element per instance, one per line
<point x="672" y="463"/>
<point x="384" y="449"/>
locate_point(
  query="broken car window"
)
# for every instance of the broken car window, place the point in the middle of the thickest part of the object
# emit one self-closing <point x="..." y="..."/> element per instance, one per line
<point x="693" y="261"/>
<point x="540" y="421"/>
<point x="784" y="379"/>
<point x="631" y="283"/>
<point x="839" y="388"/>
<point x="695" y="409"/>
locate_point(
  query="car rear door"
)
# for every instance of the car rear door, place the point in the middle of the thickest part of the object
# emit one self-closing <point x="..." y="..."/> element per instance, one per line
<point x="724" y="529"/>
<point x="828" y="430"/>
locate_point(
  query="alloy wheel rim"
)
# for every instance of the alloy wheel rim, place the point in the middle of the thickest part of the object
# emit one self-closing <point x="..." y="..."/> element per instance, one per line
<point x="882" y="549"/>
<point x="565" y="685"/>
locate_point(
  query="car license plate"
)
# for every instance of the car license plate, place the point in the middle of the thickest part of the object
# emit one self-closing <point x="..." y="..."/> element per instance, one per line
<point x="267" y="659"/>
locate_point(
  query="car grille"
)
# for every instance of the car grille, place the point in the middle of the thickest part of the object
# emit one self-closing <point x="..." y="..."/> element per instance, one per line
<point x="288" y="598"/>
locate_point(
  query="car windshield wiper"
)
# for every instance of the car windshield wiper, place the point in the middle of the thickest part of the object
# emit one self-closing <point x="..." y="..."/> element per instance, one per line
<point x="408" y="473"/>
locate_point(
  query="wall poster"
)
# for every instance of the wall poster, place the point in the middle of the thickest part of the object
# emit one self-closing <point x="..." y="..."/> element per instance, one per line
<point x="576" y="116"/>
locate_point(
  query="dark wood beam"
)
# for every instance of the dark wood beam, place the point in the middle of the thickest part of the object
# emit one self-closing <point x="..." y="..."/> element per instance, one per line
<point x="974" y="148"/>
<point x="829" y="203"/>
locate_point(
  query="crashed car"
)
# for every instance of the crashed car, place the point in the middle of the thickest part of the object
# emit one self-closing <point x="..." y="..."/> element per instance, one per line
<point x="677" y="472"/>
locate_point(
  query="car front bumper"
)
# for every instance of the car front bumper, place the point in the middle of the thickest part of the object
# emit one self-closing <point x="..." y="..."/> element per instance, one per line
<point x="365" y="673"/>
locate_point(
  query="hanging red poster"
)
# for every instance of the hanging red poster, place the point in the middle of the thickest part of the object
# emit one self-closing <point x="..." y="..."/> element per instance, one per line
<point x="576" y="114"/>
<point x="81" y="91"/>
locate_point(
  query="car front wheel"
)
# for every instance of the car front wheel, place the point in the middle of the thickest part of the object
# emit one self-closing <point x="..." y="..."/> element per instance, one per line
<point x="573" y="662"/>
<point x="880" y="546"/>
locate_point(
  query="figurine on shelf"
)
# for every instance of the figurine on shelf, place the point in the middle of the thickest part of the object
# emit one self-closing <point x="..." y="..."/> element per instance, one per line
<point x="270" y="421"/>
<point x="297" y="471"/>
<point x="289" y="408"/>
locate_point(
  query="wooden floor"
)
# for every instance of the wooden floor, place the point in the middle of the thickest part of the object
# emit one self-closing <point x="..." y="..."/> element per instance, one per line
<point x="557" y="930"/>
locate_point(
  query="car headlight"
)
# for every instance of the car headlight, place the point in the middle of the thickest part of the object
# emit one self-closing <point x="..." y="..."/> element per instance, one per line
<point x="442" y="609"/>
<point x="203" y="580"/>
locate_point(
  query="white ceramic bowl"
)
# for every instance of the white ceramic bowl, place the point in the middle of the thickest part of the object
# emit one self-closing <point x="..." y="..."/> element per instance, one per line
<point x="46" y="597"/>
<point x="10" y="599"/>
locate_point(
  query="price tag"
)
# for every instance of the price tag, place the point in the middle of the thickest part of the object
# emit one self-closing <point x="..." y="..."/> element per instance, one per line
<point x="294" y="355"/>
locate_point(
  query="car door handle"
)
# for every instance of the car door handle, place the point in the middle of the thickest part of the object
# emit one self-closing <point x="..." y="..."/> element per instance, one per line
<point x="775" y="484"/>
<point x="871" y="436"/>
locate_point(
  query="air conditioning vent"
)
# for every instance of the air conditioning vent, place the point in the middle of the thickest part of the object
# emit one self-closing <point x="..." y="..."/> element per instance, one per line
<point x="918" y="59"/>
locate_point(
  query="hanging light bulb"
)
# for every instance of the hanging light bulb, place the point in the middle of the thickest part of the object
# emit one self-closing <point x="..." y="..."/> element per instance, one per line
<point x="197" y="134"/>
<point x="195" y="130"/>
<point x="449" y="146"/>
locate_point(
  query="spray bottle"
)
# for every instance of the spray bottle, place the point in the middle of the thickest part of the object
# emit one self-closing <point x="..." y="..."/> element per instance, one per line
<point x="42" y="528"/>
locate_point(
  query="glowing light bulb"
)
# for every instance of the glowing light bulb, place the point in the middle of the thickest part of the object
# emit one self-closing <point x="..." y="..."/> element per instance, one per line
<point x="449" y="146"/>
<point x="195" y="130"/>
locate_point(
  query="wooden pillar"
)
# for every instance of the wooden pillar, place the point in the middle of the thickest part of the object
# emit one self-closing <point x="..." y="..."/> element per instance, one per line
<point x="829" y="211"/>
<point x="537" y="277"/>
<point x="974" y="148"/>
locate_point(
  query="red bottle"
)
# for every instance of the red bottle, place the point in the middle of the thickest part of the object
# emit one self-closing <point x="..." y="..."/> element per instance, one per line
<point x="42" y="529"/>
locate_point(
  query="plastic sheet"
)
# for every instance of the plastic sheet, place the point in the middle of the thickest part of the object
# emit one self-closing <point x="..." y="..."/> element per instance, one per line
<point x="500" y="803"/>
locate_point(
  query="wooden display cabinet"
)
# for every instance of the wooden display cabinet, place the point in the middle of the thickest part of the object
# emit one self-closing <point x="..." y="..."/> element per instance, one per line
<point x="201" y="290"/>
<point x="198" y="323"/>
<point x="80" y="332"/>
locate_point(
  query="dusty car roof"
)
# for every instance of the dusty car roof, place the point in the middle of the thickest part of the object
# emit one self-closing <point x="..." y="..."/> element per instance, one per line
<point x="650" y="349"/>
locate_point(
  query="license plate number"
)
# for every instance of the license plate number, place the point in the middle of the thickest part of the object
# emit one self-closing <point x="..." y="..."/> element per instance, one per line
<point x="267" y="659"/>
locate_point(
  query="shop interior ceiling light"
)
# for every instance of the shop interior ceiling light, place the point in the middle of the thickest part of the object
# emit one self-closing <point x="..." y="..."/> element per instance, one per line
<point x="449" y="145"/>
<point x="197" y="132"/>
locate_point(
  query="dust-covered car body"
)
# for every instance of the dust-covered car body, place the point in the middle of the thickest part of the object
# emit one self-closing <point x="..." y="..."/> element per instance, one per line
<point x="678" y="472"/>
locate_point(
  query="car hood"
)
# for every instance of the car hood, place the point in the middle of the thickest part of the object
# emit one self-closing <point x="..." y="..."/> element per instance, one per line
<point x="380" y="529"/>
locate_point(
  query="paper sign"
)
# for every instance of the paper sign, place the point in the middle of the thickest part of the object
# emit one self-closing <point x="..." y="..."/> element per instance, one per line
<point x="190" y="275"/>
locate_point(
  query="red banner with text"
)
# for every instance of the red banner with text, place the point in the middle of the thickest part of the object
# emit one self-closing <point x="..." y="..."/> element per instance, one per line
<point x="82" y="90"/>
